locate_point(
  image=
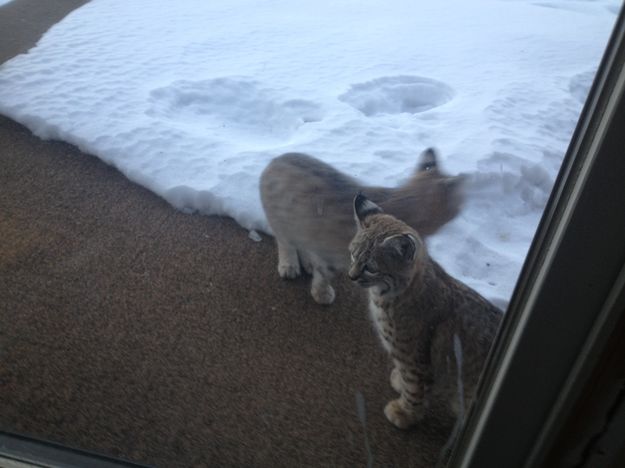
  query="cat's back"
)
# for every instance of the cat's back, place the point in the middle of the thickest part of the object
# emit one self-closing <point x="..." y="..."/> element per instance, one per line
<point x="470" y="311"/>
<point x="307" y="202"/>
<point x="293" y="173"/>
<point x="468" y="329"/>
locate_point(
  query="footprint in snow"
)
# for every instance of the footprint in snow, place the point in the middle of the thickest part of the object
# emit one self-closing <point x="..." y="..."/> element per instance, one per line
<point x="397" y="94"/>
<point x="233" y="104"/>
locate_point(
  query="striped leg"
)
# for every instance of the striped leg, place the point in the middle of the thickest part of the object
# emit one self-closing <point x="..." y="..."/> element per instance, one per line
<point x="409" y="408"/>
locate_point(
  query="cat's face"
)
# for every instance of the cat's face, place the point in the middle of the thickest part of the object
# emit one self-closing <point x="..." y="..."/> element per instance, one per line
<point x="385" y="252"/>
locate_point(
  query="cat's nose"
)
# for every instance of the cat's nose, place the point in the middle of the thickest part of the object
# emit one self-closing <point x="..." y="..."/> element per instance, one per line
<point x="353" y="274"/>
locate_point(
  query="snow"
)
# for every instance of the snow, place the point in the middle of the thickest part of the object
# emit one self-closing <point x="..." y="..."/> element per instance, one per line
<point x="4" y="2"/>
<point x="192" y="99"/>
<point x="255" y="236"/>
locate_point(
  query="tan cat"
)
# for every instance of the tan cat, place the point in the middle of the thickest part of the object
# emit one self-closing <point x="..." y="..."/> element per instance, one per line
<point x="308" y="204"/>
<point x="437" y="330"/>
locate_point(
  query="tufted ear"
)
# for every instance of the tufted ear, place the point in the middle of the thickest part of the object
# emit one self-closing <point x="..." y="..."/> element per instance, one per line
<point x="403" y="246"/>
<point x="364" y="207"/>
<point x="428" y="160"/>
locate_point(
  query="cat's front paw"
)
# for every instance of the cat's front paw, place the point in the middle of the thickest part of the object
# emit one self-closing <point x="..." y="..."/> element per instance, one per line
<point x="399" y="417"/>
<point x="288" y="271"/>
<point x="323" y="295"/>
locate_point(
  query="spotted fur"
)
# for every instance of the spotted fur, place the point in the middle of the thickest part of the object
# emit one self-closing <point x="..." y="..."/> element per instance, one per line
<point x="421" y="315"/>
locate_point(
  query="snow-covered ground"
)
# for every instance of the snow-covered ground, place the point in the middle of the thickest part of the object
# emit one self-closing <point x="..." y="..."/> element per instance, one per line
<point x="193" y="98"/>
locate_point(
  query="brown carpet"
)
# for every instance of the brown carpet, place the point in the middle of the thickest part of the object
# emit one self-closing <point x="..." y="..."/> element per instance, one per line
<point x="131" y="329"/>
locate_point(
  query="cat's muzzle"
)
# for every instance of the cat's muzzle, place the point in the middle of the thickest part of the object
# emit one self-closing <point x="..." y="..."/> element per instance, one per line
<point x="363" y="282"/>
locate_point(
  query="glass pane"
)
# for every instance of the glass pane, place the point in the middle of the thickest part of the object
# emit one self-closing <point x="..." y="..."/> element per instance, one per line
<point x="401" y="153"/>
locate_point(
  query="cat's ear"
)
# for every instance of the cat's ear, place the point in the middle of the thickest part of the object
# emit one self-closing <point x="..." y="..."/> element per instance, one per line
<point x="364" y="207"/>
<point x="428" y="160"/>
<point x="403" y="246"/>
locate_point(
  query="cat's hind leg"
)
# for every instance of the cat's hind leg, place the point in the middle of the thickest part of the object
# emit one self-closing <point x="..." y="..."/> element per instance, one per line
<point x="306" y="262"/>
<point x="288" y="262"/>
<point x="321" y="289"/>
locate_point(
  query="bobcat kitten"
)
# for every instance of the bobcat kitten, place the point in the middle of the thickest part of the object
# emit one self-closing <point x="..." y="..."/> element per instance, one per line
<point x="308" y="204"/>
<point x="428" y="321"/>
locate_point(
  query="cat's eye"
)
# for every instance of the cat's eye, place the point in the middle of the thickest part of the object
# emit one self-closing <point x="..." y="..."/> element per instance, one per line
<point x="370" y="269"/>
